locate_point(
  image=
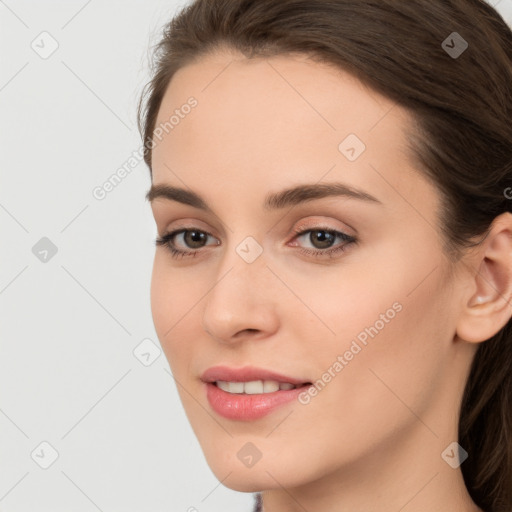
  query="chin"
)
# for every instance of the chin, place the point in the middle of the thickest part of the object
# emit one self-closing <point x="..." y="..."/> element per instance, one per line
<point x="267" y="473"/>
<point x="252" y="480"/>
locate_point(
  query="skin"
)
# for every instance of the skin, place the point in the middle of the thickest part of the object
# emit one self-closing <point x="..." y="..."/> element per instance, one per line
<point x="372" y="438"/>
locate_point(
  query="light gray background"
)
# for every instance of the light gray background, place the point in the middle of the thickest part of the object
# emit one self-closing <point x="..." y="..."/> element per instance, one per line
<point x="70" y="324"/>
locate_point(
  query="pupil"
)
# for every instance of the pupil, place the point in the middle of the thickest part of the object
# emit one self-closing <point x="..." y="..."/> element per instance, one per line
<point x="195" y="237"/>
<point x="322" y="238"/>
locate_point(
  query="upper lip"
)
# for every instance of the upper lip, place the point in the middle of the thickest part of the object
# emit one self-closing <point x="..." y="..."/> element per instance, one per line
<point x="245" y="374"/>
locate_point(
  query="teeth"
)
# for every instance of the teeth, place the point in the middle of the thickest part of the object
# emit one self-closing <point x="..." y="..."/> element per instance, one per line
<point x="231" y="387"/>
<point x="269" y="386"/>
<point x="254" y="387"/>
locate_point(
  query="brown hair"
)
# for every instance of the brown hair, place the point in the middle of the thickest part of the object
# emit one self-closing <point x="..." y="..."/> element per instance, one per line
<point x="462" y="106"/>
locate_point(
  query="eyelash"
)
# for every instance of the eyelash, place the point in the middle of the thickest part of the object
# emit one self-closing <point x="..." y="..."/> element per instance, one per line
<point x="166" y="241"/>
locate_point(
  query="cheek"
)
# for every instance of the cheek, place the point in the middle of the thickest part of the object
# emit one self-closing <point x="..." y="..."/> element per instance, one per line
<point x="160" y="282"/>
<point x="393" y="347"/>
<point x="172" y="300"/>
<point x="387" y="291"/>
<point x="383" y="329"/>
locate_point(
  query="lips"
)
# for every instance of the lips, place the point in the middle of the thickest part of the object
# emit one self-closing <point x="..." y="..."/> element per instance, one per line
<point x="247" y="374"/>
<point x="243" y="406"/>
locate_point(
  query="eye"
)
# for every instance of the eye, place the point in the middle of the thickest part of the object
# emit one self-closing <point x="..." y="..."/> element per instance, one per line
<point x="189" y="242"/>
<point x="322" y="241"/>
<point x="189" y="238"/>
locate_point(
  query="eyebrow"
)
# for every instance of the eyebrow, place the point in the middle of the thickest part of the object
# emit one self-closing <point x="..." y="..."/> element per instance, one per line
<point x="273" y="201"/>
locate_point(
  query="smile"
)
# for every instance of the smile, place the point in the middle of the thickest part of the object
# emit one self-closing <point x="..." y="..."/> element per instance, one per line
<point x="249" y="393"/>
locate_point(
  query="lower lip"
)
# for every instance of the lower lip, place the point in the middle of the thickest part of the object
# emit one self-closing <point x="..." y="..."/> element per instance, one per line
<point x="244" y="407"/>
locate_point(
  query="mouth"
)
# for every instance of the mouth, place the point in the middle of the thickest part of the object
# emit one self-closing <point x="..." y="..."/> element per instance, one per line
<point x="249" y="393"/>
<point x="250" y="375"/>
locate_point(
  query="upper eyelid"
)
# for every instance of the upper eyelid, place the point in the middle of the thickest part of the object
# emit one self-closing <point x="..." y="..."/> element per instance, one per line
<point x="297" y="232"/>
<point x="300" y="232"/>
<point x="305" y="225"/>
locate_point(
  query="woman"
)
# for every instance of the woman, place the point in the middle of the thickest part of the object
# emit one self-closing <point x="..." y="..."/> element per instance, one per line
<point x="333" y="273"/>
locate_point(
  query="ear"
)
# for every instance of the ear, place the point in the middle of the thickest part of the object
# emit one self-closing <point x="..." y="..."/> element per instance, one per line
<point x="487" y="305"/>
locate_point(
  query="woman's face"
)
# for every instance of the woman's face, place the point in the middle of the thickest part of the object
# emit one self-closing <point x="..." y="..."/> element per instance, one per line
<point x="314" y="257"/>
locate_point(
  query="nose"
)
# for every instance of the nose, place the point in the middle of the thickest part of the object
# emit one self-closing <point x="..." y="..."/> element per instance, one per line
<point x="243" y="302"/>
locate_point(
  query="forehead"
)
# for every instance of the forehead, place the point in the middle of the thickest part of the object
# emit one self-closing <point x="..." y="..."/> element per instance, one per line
<point x="292" y="92"/>
<point x="274" y="120"/>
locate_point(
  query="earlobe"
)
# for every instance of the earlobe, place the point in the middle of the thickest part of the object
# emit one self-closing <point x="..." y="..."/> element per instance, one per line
<point x="489" y="307"/>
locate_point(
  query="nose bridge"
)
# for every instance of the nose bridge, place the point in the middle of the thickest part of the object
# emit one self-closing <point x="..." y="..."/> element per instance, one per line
<point x="242" y="296"/>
